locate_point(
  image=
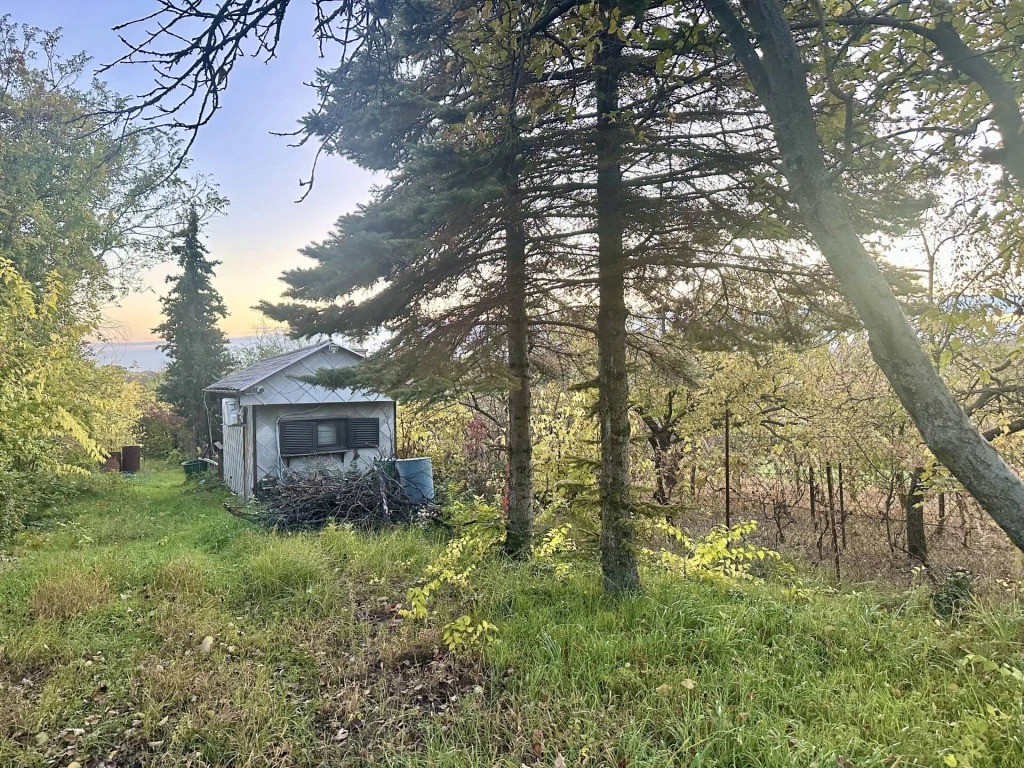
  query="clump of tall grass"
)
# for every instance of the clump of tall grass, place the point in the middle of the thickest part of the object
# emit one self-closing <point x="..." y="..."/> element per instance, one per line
<point x="284" y="567"/>
<point x="65" y="593"/>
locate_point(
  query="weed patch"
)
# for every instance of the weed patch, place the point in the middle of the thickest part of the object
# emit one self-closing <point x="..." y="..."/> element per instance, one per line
<point x="285" y="567"/>
<point x="67" y="594"/>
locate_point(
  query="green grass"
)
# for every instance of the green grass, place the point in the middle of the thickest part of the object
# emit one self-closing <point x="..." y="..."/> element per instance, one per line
<point x="105" y="609"/>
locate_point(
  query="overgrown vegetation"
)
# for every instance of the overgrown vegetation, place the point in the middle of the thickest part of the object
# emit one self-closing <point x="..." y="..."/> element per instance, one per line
<point x="86" y="204"/>
<point x="580" y="192"/>
<point x="146" y="625"/>
<point x="601" y="221"/>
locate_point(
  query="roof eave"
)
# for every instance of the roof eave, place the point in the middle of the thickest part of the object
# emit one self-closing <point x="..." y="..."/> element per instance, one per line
<point x="309" y="351"/>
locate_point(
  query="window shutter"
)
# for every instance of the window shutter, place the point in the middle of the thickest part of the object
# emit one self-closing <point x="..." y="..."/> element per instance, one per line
<point x="298" y="438"/>
<point x="363" y="433"/>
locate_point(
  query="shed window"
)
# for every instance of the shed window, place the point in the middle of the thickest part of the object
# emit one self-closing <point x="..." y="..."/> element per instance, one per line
<point x="312" y="436"/>
<point x="327" y="435"/>
<point x="309" y="437"/>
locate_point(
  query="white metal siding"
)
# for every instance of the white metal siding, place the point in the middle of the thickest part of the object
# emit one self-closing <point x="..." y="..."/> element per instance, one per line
<point x="251" y="449"/>
<point x="283" y="387"/>
<point x="234" y="456"/>
<point x="269" y="462"/>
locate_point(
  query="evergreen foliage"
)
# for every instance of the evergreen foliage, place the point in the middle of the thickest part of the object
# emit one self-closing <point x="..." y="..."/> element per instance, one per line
<point x="197" y="349"/>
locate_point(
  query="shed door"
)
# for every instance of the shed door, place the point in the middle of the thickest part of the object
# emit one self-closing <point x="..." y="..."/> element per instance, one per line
<point x="235" y="444"/>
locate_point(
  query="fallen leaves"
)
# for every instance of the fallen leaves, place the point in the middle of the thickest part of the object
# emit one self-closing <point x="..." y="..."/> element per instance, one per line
<point x="537" y="743"/>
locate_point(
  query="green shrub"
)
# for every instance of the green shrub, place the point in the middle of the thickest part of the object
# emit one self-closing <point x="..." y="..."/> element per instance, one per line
<point x="161" y="430"/>
<point x="955" y="594"/>
<point x="25" y="495"/>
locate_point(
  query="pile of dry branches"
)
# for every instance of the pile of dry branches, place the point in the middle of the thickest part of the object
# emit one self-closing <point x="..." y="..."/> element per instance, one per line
<point x="372" y="499"/>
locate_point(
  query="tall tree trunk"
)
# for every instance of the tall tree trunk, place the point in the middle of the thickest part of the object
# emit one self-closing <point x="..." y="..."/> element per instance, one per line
<point x="519" y="535"/>
<point x="666" y="471"/>
<point x="913" y="507"/>
<point x="618" y="558"/>
<point x="779" y="80"/>
<point x="659" y="458"/>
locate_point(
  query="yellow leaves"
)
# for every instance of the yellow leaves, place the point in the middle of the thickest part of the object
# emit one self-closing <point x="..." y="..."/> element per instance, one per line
<point x="717" y="554"/>
<point x="76" y="430"/>
<point x="465" y="633"/>
<point x="54" y="401"/>
<point x="460" y="558"/>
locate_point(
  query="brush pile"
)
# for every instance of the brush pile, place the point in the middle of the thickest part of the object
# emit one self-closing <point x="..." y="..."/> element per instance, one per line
<point x="368" y="500"/>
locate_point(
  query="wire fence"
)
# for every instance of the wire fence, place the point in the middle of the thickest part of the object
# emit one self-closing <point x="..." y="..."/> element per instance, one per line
<point x="844" y="519"/>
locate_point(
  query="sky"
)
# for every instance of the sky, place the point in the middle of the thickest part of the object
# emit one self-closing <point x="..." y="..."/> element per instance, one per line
<point x="259" y="235"/>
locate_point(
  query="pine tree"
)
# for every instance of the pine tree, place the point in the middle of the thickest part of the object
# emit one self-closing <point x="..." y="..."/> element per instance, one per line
<point x="197" y="348"/>
<point x="451" y="226"/>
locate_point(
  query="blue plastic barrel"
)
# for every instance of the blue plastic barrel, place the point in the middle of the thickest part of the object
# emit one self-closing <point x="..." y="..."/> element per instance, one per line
<point x="417" y="478"/>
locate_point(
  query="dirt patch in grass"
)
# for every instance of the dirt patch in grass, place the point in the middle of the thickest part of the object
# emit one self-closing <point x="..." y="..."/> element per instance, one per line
<point x="65" y="595"/>
<point x="385" y="690"/>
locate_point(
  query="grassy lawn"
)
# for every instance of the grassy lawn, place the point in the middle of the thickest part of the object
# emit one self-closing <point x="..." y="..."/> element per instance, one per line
<point x="147" y="626"/>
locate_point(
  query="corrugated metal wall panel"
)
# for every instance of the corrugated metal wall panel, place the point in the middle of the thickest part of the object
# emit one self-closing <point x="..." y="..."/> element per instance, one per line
<point x="234" y="457"/>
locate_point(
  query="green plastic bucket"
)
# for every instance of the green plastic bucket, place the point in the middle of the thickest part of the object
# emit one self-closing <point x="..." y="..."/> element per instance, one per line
<point x="194" y="467"/>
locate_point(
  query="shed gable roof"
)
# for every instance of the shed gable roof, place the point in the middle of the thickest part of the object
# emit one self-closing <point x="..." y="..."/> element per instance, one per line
<point x="242" y="380"/>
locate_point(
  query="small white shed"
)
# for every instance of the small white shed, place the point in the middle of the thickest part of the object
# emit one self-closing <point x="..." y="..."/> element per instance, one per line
<point x="275" y="424"/>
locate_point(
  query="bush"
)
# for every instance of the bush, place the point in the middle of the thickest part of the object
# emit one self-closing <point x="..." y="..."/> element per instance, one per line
<point x="955" y="594"/>
<point x="25" y="495"/>
<point x="161" y="429"/>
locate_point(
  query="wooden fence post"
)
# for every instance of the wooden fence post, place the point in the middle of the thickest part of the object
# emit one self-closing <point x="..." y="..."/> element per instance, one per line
<point x="832" y="517"/>
<point x="842" y="506"/>
<point x="728" y="500"/>
<point x="810" y="482"/>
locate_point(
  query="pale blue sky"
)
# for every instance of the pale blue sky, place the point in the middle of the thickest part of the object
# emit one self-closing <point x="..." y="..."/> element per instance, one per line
<point x="263" y="228"/>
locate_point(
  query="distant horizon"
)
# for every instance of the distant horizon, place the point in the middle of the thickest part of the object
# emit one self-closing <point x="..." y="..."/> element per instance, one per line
<point x="146" y="356"/>
<point x="143" y="356"/>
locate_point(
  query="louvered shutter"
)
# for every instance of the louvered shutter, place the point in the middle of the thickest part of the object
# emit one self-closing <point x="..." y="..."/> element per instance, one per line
<point x="363" y="433"/>
<point x="298" y="438"/>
